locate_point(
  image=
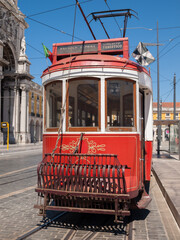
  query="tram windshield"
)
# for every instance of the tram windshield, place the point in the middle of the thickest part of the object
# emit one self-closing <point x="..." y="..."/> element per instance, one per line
<point x="53" y="104"/>
<point x="119" y="103"/>
<point x="83" y="103"/>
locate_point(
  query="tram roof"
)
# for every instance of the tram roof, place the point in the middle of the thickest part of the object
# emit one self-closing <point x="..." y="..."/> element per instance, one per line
<point x="107" y="53"/>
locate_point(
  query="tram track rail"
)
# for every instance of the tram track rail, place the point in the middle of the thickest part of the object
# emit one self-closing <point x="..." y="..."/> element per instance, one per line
<point x="124" y="230"/>
<point x="36" y="229"/>
<point x="12" y="173"/>
<point x="17" y="180"/>
<point x="129" y="228"/>
<point x="90" y="235"/>
<point x="18" y="175"/>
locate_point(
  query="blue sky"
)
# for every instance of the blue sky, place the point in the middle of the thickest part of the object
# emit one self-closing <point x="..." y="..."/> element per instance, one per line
<point x="143" y="29"/>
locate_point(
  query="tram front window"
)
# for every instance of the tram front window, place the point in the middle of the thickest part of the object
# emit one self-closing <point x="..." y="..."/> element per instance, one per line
<point x="119" y="104"/>
<point x="53" y="104"/>
<point x="83" y="103"/>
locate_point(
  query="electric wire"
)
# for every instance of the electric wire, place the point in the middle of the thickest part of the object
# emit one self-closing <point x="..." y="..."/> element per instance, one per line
<point x="169" y="50"/>
<point x="169" y="92"/>
<point x="60" y="130"/>
<point x="82" y="40"/>
<point x="56" y="29"/>
<point x="167" y="79"/>
<point x="37" y="50"/>
<point x="113" y="17"/>
<point x="55" y="9"/>
<point x="170" y="41"/>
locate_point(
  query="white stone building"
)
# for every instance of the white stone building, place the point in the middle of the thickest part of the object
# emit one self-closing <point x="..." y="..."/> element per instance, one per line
<point x="15" y="77"/>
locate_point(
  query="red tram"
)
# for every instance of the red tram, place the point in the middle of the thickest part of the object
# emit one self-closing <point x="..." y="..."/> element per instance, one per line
<point x="97" y="139"/>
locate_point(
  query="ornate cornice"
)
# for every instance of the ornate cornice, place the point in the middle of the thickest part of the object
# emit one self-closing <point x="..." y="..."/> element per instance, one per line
<point x="9" y="5"/>
<point x="25" y="76"/>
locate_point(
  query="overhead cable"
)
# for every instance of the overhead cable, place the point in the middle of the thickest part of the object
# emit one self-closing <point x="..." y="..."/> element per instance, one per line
<point x="56" y="29"/>
<point x="55" y="9"/>
<point x="113" y="17"/>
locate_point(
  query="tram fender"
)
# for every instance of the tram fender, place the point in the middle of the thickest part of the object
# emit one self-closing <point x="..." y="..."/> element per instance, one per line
<point x="144" y="201"/>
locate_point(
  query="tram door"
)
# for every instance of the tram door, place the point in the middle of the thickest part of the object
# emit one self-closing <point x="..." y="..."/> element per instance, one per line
<point x="142" y="133"/>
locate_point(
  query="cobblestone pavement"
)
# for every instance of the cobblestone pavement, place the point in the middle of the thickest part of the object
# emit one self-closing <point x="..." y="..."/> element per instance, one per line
<point x="155" y="222"/>
<point x="17" y="215"/>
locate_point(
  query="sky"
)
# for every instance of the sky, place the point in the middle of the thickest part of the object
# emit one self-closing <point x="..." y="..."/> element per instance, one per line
<point x="54" y="21"/>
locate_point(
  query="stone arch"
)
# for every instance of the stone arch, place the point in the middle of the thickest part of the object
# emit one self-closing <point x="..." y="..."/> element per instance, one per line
<point x="9" y="55"/>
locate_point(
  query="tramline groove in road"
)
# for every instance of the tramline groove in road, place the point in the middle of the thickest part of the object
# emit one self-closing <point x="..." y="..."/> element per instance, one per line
<point x="18" y="217"/>
<point x="16" y="171"/>
<point x="34" y="230"/>
<point x="17" y="192"/>
<point x="90" y="230"/>
<point x="18" y="174"/>
<point x="126" y="235"/>
<point x="20" y="179"/>
<point x="17" y="151"/>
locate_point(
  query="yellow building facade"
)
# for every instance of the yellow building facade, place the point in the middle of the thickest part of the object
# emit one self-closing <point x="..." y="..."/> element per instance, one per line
<point x="167" y="113"/>
<point x="35" y="112"/>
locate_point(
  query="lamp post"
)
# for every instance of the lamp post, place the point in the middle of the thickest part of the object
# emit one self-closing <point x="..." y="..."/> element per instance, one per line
<point x="158" y="107"/>
<point x="158" y="90"/>
<point x="174" y="96"/>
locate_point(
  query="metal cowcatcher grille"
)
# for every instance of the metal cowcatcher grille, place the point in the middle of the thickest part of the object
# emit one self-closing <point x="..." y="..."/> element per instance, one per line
<point x="91" y="183"/>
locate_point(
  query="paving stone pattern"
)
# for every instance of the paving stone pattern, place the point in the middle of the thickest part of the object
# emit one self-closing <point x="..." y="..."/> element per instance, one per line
<point x="18" y="216"/>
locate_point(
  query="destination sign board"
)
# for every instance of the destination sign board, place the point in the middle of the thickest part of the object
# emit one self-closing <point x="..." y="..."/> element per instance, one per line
<point x="80" y="48"/>
<point x="111" y="46"/>
<point x="77" y="48"/>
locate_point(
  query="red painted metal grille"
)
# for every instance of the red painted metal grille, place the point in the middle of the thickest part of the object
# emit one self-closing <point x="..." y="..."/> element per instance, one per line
<point x="84" y="183"/>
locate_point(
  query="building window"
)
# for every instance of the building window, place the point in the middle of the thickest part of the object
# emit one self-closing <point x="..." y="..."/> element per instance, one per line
<point x="120" y="104"/>
<point x="53" y="93"/>
<point x="167" y="115"/>
<point x="32" y="106"/>
<point x="83" y="105"/>
<point x="32" y="95"/>
<point x="37" y="110"/>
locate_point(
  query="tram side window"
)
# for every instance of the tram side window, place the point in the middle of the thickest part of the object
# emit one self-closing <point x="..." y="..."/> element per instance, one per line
<point x="83" y="103"/>
<point x="120" y="111"/>
<point x="53" y="104"/>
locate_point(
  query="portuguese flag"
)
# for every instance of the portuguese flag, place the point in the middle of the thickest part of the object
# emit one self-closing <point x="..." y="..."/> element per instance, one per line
<point x="47" y="53"/>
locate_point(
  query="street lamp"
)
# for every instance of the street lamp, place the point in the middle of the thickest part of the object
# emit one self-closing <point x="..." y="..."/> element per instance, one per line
<point x="158" y="102"/>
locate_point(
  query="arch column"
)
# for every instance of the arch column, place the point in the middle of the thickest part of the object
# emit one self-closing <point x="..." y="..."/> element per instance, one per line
<point x="1" y="77"/>
<point x="5" y="116"/>
<point x="17" y="117"/>
<point x="1" y="134"/>
<point x="24" y="134"/>
<point x="12" y="115"/>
